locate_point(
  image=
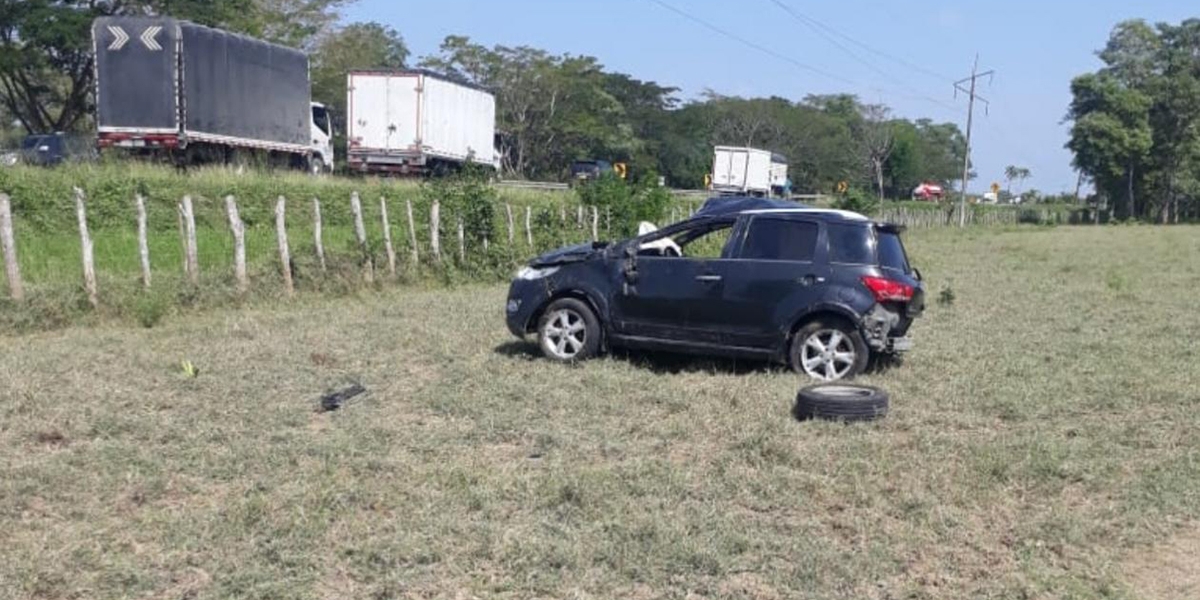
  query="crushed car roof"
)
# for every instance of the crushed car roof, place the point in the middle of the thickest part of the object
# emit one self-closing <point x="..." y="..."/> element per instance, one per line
<point x="729" y="205"/>
<point x="732" y="205"/>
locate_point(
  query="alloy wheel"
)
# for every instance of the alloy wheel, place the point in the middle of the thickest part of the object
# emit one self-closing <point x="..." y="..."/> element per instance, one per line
<point x="565" y="334"/>
<point x="828" y="354"/>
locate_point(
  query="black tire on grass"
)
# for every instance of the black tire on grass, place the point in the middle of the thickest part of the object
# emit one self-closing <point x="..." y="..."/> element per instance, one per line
<point x="841" y="402"/>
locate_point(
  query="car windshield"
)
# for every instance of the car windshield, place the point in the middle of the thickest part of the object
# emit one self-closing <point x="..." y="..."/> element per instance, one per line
<point x="33" y="141"/>
<point x="891" y="252"/>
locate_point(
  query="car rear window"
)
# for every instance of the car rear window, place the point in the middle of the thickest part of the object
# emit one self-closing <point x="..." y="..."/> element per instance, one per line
<point x="780" y="239"/>
<point x="891" y="252"/>
<point x="851" y="244"/>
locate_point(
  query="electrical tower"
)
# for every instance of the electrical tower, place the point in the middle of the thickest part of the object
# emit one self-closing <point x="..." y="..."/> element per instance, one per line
<point x="971" y="98"/>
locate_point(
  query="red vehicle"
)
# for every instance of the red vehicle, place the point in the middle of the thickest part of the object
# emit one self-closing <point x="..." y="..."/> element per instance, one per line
<point x="929" y="191"/>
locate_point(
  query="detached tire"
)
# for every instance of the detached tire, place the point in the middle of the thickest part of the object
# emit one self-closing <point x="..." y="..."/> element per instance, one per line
<point x="841" y="402"/>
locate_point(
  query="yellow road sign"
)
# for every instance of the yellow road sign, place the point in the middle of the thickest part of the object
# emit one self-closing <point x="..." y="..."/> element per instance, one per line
<point x="707" y="180"/>
<point x="621" y="169"/>
<point x="843" y="187"/>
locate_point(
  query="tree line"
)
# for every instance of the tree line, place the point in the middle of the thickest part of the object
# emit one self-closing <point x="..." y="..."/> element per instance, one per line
<point x="552" y="108"/>
<point x="1135" y="123"/>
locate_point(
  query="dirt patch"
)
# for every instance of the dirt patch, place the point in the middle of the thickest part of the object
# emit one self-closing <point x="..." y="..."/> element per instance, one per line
<point x="1167" y="571"/>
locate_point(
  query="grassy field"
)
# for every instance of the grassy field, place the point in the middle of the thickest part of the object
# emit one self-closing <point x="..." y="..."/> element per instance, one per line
<point x="1042" y="444"/>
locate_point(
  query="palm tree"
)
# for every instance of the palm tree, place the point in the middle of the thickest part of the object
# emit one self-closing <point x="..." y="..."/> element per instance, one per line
<point x="1011" y="172"/>
<point x="1015" y="173"/>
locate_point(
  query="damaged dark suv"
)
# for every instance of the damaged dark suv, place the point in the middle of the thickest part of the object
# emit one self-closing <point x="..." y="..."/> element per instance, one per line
<point x="823" y="291"/>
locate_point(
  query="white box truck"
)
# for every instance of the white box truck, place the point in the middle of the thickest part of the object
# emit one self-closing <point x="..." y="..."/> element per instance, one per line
<point x="748" y="171"/>
<point x="417" y="122"/>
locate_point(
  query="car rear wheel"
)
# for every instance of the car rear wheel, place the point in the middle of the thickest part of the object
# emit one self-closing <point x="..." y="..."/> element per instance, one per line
<point x="569" y="331"/>
<point x="829" y="350"/>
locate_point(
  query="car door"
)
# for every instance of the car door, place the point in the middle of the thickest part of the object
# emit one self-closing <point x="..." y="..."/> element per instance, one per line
<point x="664" y="295"/>
<point x="779" y="268"/>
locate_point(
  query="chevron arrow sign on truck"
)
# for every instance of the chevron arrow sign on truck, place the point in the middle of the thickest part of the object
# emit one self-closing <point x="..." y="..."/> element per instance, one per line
<point x="148" y="38"/>
<point x="120" y="38"/>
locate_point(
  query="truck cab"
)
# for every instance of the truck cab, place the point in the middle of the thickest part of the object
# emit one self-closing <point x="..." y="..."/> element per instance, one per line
<point x="321" y="160"/>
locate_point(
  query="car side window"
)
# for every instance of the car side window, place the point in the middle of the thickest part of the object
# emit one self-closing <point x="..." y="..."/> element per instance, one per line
<point x="851" y="244"/>
<point x="705" y="242"/>
<point x="780" y="239"/>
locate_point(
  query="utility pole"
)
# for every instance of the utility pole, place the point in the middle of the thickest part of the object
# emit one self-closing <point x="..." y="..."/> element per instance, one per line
<point x="971" y="98"/>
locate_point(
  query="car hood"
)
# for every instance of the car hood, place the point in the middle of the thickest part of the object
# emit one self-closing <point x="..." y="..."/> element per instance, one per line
<point x="570" y="254"/>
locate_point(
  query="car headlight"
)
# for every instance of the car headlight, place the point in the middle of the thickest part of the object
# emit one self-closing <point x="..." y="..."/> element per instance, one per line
<point x="532" y="273"/>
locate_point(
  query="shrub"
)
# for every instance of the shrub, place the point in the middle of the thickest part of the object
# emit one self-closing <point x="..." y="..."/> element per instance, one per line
<point x="625" y="204"/>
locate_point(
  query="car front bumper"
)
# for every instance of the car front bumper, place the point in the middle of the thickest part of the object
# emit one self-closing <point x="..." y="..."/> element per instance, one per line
<point x="524" y="299"/>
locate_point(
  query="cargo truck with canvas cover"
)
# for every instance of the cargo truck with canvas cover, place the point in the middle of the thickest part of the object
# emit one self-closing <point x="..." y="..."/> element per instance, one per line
<point x="204" y="95"/>
<point x="417" y="122"/>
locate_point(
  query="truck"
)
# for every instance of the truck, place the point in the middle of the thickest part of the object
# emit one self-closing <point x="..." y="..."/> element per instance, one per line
<point x="417" y="122"/>
<point x="749" y="172"/>
<point x="202" y="95"/>
<point x="930" y="191"/>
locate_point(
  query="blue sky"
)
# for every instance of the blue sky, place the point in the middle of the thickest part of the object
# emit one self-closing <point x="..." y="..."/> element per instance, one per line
<point x="1035" y="47"/>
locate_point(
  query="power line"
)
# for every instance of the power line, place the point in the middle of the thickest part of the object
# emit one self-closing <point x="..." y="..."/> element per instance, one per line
<point x="820" y="28"/>
<point x="750" y="44"/>
<point x="864" y="46"/>
<point x="785" y="58"/>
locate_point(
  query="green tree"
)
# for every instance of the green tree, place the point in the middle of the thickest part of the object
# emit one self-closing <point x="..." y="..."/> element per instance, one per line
<point x="1136" y="122"/>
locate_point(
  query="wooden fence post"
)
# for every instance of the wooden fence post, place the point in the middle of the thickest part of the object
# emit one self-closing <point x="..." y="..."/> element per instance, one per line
<point x="387" y="237"/>
<point x="85" y="244"/>
<point x="238" y="229"/>
<point x="435" y="222"/>
<point x="16" y="288"/>
<point x="285" y="255"/>
<point x="360" y="232"/>
<point x="412" y="233"/>
<point x="462" y="242"/>
<point x="508" y="214"/>
<point x="143" y="241"/>
<point x="595" y="224"/>
<point x="191" y="254"/>
<point x="529" y="226"/>
<point x="317" y="236"/>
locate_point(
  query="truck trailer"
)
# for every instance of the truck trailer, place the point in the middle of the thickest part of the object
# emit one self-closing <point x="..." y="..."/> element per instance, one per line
<point x="205" y="95"/>
<point x="748" y="171"/>
<point x="417" y="122"/>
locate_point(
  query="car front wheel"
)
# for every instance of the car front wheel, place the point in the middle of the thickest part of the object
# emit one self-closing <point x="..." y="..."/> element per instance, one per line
<point x="569" y="331"/>
<point x="829" y="350"/>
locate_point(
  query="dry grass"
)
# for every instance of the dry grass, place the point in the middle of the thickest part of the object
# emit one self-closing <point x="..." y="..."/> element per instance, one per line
<point x="1042" y="433"/>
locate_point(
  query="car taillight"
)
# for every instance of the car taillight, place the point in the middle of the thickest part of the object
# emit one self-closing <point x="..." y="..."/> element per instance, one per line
<point x="888" y="290"/>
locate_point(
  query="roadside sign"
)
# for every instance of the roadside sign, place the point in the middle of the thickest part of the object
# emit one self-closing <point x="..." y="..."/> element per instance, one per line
<point x="622" y="169"/>
<point x="843" y="187"/>
<point x="995" y="188"/>
<point x="707" y="181"/>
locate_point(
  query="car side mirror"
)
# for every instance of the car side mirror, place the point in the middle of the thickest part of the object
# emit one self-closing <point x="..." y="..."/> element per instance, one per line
<point x="917" y="273"/>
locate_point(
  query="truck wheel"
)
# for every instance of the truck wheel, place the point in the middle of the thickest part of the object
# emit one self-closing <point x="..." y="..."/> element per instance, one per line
<point x="316" y="166"/>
